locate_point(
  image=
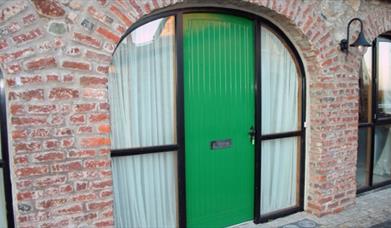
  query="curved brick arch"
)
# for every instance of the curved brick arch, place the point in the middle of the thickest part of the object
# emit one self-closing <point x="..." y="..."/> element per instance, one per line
<point x="56" y="56"/>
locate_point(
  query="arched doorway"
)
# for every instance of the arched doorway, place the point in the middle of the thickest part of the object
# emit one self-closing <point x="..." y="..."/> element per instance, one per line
<point x="214" y="98"/>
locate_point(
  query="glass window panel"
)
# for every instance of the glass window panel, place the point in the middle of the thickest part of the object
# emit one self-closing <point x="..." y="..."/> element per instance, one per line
<point x="142" y="87"/>
<point x="384" y="79"/>
<point x="364" y="148"/>
<point x="366" y="87"/>
<point x="3" y="214"/>
<point x="145" y="190"/>
<point x="280" y="86"/>
<point x="279" y="174"/>
<point x="382" y="156"/>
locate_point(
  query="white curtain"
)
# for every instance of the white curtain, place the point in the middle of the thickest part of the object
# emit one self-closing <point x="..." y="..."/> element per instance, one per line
<point x="280" y="86"/>
<point x="383" y="134"/>
<point x="3" y="214"/>
<point x="141" y="90"/>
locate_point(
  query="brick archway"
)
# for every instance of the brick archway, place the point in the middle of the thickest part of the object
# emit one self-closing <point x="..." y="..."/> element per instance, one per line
<point x="56" y="56"/>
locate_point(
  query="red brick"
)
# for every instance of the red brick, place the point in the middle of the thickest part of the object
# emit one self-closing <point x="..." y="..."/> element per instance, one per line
<point x="19" y="54"/>
<point x="120" y="15"/>
<point x="61" y="132"/>
<point x="67" y="143"/>
<point x="36" y="94"/>
<point x="73" y="209"/>
<point x="77" y="119"/>
<point x="41" y="109"/>
<point x="53" y="78"/>
<point x="68" y="78"/>
<point x="101" y="184"/>
<point x="75" y="65"/>
<point x="3" y="44"/>
<point x="100" y="16"/>
<point x="28" y="36"/>
<point x="94" y="118"/>
<point x="106" y="33"/>
<point x="19" y="134"/>
<point x="104" y="223"/>
<point x="21" y="159"/>
<point x="23" y="147"/>
<point x="29" y="19"/>
<point x="49" y="8"/>
<point x="96" y="94"/>
<point x="63" y="93"/>
<point x="93" y="81"/>
<point x="32" y="171"/>
<point x="99" y="205"/>
<point x="87" y="40"/>
<point x="57" y="190"/>
<point x="84" y="197"/>
<point x="73" y="51"/>
<point x="84" y="218"/>
<point x="81" y="185"/>
<point x="66" y="166"/>
<point x="29" y="121"/>
<point x="94" y="141"/>
<point x="104" y="106"/>
<point x="98" y="57"/>
<point x="51" y="144"/>
<point x="48" y="181"/>
<point x="104" y="128"/>
<point x="13" y="68"/>
<point x="103" y="69"/>
<point x="40" y="133"/>
<point x="30" y="80"/>
<point x="51" y="203"/>
<point x="95" y="164"/>
<point x="87" y="107"/>
<point x="81" y="153"/>
<point x="105" y="193"/>
<point x="49" y="156"/>
<point x="84" y="130"/>
<point x="17" y="109"/>
<point x="40" y="63"/>
<point x="21" y="196"/>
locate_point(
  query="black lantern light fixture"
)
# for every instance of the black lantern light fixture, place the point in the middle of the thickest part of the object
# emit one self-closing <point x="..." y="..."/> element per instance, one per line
<point x="361" y="41"/>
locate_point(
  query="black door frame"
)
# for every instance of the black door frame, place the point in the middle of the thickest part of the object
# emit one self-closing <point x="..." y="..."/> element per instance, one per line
<point x="375" y="121"/>
<point x="180" y="146"/>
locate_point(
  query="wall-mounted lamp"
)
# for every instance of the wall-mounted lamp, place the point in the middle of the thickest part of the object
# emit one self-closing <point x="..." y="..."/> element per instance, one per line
<point x="361" y="40"/>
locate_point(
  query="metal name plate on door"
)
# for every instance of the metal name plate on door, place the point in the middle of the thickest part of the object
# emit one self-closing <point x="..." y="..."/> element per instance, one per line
<point x="221" y="144"/>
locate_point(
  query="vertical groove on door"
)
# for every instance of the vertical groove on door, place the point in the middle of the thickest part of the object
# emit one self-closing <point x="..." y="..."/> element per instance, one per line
<point x="219" y="105"/>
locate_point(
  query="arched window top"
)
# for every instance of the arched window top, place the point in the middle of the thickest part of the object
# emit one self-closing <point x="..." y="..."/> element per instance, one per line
<point x="191" y="76"/>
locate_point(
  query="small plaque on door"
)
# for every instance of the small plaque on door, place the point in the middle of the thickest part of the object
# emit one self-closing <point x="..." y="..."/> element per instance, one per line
<point x="221" y="144"/>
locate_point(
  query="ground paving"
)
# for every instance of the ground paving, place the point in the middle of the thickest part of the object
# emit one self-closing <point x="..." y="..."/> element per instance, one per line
<point x="372" y="209"/>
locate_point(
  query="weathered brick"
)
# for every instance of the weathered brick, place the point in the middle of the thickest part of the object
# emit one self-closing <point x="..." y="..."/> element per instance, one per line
<point x="76" y="65"/>
<point x="94" y="141"/>
<point x="106" y="33"/>
<point x="63" y="93"/>
<point x="87" y="40"/>
<point x="28" y="36"/>
<point x="98" y="57"/>
<point x="40" y="63"/>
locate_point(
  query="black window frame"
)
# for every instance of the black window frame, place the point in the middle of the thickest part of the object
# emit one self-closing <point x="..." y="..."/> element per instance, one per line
<point x="179" y="147"/>
<point x="374" y="121"/>
<point x="5" y="161"/>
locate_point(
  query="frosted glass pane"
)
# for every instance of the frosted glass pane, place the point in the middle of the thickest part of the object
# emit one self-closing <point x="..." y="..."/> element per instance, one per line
<point x="142" y="88"/>
<point x="3" y="215"/>
<point x="145" y="190"/>
<point x="279" y="174"/>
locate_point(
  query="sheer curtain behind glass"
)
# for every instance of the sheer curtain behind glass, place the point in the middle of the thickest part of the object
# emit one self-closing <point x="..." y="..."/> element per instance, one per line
<point x="143" y="114"/>
<point x="3" y="214"/>
<point x="382" y="155"/>
<point x="280" y="99"/>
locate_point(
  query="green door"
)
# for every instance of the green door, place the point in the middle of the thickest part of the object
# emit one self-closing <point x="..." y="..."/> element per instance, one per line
<point x="219" y="111"/>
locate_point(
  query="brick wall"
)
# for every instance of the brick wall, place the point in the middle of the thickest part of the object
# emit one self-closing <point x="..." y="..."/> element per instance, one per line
<point x="55" y="55"/>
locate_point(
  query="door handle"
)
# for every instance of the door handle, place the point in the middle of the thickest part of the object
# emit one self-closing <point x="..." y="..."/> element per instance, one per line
<point x="252" y="134"/>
